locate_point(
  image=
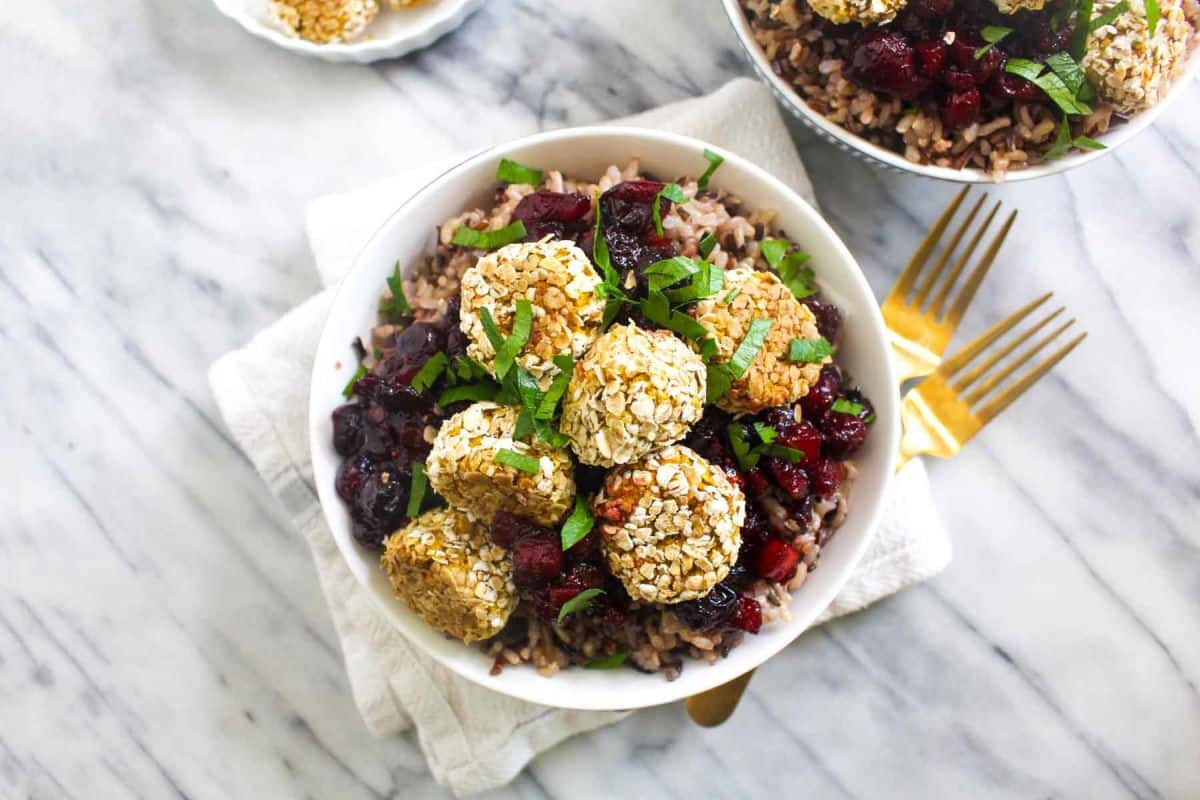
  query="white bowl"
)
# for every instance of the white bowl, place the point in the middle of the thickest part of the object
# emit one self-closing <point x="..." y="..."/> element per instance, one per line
<point x="390" y="35"/>
<point x="868" y="151"/>
<point x="585" y="152"/>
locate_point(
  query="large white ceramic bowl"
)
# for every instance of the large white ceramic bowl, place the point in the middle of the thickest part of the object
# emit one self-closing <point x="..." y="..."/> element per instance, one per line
<point x="390" y="35"/>
<point x="868" y="151"/>
<point x="585" y="152"/>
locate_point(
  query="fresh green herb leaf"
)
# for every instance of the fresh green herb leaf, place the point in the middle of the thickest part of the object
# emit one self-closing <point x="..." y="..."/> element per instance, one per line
<point x="378" y="353"/>
<point x="490" y="329"/>
<point x="809" y="351"/>
<point x="1153" y="15"/>
<point x="727" y="299"/>
<point x="1079" y="39"/>
<point x="993" y="35"/>
<point x="789" y="454"/>
<point x="399" y="306"/>
<point x="714" y="161"/>
<point x="521" y="328"/>
<point x="511" y="172"/>
<point x="672" y="192"/>
<point x="430" y="371"/>
<point x="766" y="433"/>
<point x="796" y="276"/>
<point x="742" y="451"/>
<point x="608" y="662"/>
<point x="1049" y="82"/>
<point x="1067" y="68"/>
<point x="558" y="387"/>
<point x="751" y="343"/>
<point x="1088" y="143"/>
<point x="657" y="309"/>
<point x="773" y="250"/>
<point x="578" y="603"/>
<point x="844" y="406"/>
<point x="465" y="368"/>
<point x="579" y="524"/>
<point x="511" y="458"/>
<point x="708" y="348"/>
<point x="1062" y="142"/>
<point x="489" y="240"/>
<point x="611" y="286"/>
<point x="1108" y="16"/>
<point x="662" y="274"/>
<point x="717" y="382"/>
<point x="416" y="493"/>
<point x="358" y="373"/>
<point x="484" y="390"/>
<point x="707" y="244"/>
<point x="524" y="426"/>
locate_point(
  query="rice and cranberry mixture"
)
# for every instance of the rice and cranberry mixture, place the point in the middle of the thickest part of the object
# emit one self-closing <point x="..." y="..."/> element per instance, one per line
<point x="596" y="443"/>
<point x="990" y="84"/>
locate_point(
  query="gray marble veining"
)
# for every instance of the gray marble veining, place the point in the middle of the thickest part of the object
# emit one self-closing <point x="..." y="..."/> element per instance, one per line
<point x="161" y="630"/>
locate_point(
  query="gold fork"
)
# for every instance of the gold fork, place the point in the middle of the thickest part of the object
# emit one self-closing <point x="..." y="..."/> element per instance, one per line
<point x="950" y="406"/>
<point x="921" y="326"/>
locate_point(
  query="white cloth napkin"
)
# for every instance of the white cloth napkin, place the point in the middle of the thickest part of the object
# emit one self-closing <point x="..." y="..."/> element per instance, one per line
<point x="473" y="738"/>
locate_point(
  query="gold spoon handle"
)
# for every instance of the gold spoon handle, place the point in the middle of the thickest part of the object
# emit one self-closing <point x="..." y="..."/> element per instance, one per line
<point x="713" y="707"/>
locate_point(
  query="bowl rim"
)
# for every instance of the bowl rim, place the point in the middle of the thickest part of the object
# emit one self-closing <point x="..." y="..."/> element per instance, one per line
<point x="665" y="691"/>
<point x="841" y="137"/>
<point x="445" y="16"/>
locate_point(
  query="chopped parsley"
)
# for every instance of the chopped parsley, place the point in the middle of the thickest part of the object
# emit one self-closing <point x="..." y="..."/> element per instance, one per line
<point x="358" y="373"/>
<point x="707" y="243"/>
<point x="993" y="35"/>
<point x="714" y="160"/>
<point x="1049" y="82"/>
<point x="1063" y="142"/>
<point x="672" y="192"/>
<point x="1079" y="38"/>
<point x="558" y="387"/>
<point x="510" y="171"/>
<point x="484" y="390"/>
<point x="416" y="493"/>
<point x="1068" y="69"/>
<point x="490" y="329"/>
<point x="511" y="458"/>
<point x="791" y="267"/>
<point x="399" y="306"/>
<point x="718" y="382"/>
<point x="751" y="343"/>
<point x="748" y="455"/>
<point x="522" y="326"/>
<point x="727" y="299"/>
<point x="1153" y="15"/>
<point x="489" y="240"/>
<point x="844" y="406"/>
<point x="610" y="287"/>
<point x="657" y="308"/>
<point x="1108" y="16"/>
<point x="430" y="371"/>
<point x="809" y="351"/>
<point x="607" y="662"/>
<point x="579" y="524"/>
<point x="580" y="602"/>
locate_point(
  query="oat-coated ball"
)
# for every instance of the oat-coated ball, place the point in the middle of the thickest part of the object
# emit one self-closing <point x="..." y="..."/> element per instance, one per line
<point x="634" y="392"/>
<point x="670" y="525"/>
<point x="462" y="468"/>
<point x="772" y="380"/>
<point x="1129" y="68"/>
<point x="1013" y="6"/>
<point x="559" y="282"/>
<point x="445" y="567"/>
<point x="864" y="12"/>
<point x="324" y="21"/>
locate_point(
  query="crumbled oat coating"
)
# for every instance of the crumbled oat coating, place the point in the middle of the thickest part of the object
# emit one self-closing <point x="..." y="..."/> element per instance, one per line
<point x="670" y="525"/>
<point x="1013" y="6"/>
<point x="325" y="21"/>
<point x="406" y="3"/>
<point x="559" y="282"/>
<point x="446" y="569"/>
<point x="772" y="380"/>
<point x="1129" y="68"/>
<point x="462" y="468"/>
<point x="632" y="393"/>
<point x="863" y="12"/>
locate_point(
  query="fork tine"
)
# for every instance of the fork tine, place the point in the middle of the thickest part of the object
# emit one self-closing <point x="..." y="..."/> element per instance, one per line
<point x="936" y="272"/>
<point x="981" y="391"/>
<point x="936" y="309"/>
<point x="978" y="370"/>
<point x="1005" y="398"/>
<point x="967" y="293"/>
<point x="908" y="277"/>
<point x="965" y="356"/>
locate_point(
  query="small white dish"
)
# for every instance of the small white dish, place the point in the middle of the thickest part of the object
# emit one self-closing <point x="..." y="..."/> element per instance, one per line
<point x="390" y="35"/>
<point x="585" y="152"/>
<point x="873" y="153"/>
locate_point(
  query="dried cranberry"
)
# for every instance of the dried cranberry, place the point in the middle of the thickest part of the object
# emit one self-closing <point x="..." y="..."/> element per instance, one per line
<point x="393" y="394"/>
<point x="709" y="612"/>
<point x="556" y="214"/>
<point x="776" y="561"/>
<point x="885" y="61"/>
<point x="747" y="616"/>
<point x="932" y="54"/>
<point x="829" y="318"/>
<point x="1048" y="41"/>
<point x="586" y="549"/>
<point x="960" y="107"/>
<point x="958" y="79"/>
<point x="821" y="394"/>
<point x="379" y="505"/>
<point x="843" y="434"/>
<point x="1006" y="86"/>
<point x="508" y="527"/>
<point x="866" y="411"/>
<point x="456" y="340"/>
<point x="981" y="69"/>
<point x="755" y="482"/>
<point x="347" y="428"/>
<point x="739" y="576"/>
<point x="825" y="477"/>
<point x="799" y="435"/>
<point x="789" y="477"/>
<point x="932" y="9"/>
<point x="351" y="475"/>
<point x="536" y="560"/>
<point x="756" y="529"/>
<point x="624" y="249"/>
<point x="416" y="344"/>
<point x="628" y="206"/>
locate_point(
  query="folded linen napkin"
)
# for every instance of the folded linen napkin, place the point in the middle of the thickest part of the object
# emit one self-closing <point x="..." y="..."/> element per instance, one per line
<point x="473" y="738"/>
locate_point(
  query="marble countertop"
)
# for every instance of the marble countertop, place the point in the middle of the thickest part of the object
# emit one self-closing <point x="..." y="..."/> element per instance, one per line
<point x="161" y="630"/>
